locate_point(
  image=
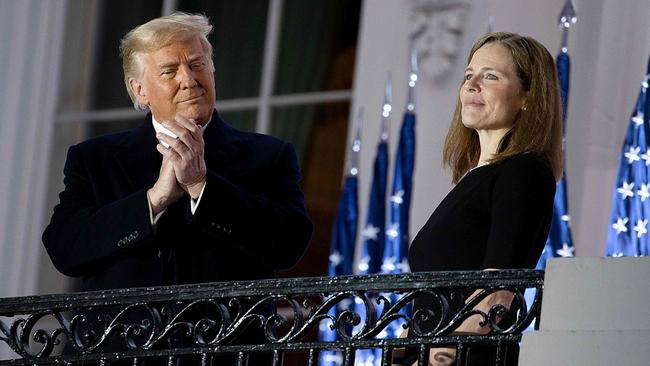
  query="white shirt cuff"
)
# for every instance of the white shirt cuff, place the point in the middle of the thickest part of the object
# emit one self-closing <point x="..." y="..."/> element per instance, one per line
<point x="194" y="203"/>
<point x="153" y="219"/>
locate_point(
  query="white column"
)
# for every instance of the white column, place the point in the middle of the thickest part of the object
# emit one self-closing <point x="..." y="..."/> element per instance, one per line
<point x="31" y="35"/>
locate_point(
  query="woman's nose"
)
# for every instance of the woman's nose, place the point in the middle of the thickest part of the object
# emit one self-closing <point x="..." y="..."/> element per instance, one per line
<point x="471" y="84"/>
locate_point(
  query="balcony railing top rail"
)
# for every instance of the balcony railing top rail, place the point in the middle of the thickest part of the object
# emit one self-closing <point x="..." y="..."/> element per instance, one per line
<point x="268" y="316"/>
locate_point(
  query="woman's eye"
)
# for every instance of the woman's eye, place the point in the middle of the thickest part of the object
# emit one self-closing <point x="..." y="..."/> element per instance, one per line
<point x="467" y="77"/>
<point x="490" y="76"/>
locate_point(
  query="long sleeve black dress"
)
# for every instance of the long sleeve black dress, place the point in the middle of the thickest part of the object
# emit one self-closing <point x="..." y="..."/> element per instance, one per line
<point x="497" y="216"/>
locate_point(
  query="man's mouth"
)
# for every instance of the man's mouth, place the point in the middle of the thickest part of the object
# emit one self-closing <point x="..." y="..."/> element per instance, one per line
<point x="191" y="99"/>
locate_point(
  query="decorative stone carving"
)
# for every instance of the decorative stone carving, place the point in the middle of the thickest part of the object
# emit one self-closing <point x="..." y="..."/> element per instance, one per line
<point x="438" y="27"/>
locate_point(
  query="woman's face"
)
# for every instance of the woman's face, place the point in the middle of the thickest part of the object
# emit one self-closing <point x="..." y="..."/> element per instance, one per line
<point x="491" y="94"/>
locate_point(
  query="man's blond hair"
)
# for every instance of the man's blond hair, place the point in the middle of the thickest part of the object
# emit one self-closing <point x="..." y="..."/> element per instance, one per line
<point x="156" y="34"/>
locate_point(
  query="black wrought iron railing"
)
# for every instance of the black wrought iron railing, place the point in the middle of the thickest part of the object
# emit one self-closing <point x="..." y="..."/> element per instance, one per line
<point x="275" y="320"/>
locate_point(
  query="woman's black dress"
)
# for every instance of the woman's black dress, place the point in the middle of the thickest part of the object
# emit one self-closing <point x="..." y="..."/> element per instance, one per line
<point x="497" y="216"/>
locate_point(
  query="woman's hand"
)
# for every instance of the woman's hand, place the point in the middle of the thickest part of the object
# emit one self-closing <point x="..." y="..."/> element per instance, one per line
<point x="399" y="353"/>
<point x="441" y="356"/>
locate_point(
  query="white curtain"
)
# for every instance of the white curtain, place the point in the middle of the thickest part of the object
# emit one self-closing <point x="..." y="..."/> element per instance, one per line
<point x="31" y="36"/>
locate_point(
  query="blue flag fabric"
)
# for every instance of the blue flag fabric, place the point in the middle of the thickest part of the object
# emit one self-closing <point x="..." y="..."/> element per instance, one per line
<point x="373" y="234"/>
<point x="560" y="242"/>
<point x="394" y="258"/>
<point x="628" y="224"/>
<point x="373" y="240"/>
<point x="341" y="255"/>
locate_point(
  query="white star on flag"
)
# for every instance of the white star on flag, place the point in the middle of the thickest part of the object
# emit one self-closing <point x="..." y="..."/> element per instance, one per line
<point x="333" y="357"/>
<point x="336" y="258"/>
<point x="640" y="228"/>
<point x="370" y="232"/>
<point x="617" y="254"/>
<point x="398" y="198"/>
<point x="646" y="157"/>
<point x="392" y="231"/>
<point x="643" y="192"/>
<point x="345" y="304"/>
<point x="566" y="251"/>
<point x="370" y="361"/>
<point x="323" y="326"/>
<point x="620" y="225"/>
<point x="565" y="218"/>
<point x="626" y="190"/>
<point x="645" y="82"/>
<point x="632" y="155"/>
<point x="638" y="119"/>
<point x="364" y="264"/>
<point x="404" y="265"/>
<point x="388" y="265"/>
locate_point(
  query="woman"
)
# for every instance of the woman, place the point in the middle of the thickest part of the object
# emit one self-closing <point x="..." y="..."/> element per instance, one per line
<point x="504" y="149"/>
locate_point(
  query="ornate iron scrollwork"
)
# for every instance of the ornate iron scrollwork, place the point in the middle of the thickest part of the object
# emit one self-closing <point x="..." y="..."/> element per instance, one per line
<point x="193" y="316"/>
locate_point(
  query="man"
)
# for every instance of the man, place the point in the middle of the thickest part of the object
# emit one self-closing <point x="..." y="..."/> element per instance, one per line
<point x="183" y="198"/>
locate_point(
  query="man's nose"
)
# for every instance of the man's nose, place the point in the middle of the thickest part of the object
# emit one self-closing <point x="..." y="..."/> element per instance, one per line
<point x="187" y="77"/>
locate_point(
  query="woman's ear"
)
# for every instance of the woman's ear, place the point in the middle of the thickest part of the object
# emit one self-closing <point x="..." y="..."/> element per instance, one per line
<point x="524" y="101"/>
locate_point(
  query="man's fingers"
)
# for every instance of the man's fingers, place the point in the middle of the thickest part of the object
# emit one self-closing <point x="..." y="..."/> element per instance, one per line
<point x="189" y="124"/>
<point x="187" y="132"/>
<point x="168" y="154"/>
<point x="175" y="144"/>
<point x="181" y="123"/>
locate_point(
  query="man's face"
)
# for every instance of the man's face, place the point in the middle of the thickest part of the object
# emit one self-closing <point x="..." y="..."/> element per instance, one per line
<point x="177" y="80"/>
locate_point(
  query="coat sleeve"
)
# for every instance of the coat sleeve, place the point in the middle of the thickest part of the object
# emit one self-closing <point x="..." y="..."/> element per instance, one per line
<point x="274" y="226"/>
<point x="83" y="234"/>
<point x="522" y="206"/>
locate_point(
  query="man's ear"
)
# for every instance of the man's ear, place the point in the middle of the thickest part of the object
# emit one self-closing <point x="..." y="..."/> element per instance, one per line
<point x="138" y="91"/>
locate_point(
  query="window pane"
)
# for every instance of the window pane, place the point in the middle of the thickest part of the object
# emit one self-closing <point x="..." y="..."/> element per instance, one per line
<point x="241" y="120"/>
<point x="117" y="17"/>
<point x="317" y="36"/>
<point x="319" y="135"/>
<point x="238" y="41"/>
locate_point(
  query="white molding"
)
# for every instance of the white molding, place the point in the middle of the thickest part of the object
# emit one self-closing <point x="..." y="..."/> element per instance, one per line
<point x="110" y="115"/>
<point x="273" y="25"/>
<point x="437" y="31"/>
<point x="169" y="6"/>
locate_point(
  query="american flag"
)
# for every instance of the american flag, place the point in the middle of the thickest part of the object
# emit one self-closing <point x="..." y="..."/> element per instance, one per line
<point x="342" y="248"/>
<point x="393" y="258"/>
<point x="628" y="224"/>
<point x="559" y="242"/>
<point x="373" y="234"/>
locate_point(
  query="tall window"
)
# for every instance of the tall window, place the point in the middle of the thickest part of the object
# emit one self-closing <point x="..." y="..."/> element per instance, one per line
<point x="283" y="67"/>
